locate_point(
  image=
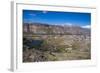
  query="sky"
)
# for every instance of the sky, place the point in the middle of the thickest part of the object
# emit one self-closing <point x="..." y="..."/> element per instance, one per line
<point x="57" y="18"/>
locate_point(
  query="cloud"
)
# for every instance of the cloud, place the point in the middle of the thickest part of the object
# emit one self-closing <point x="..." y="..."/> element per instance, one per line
<point x="69" y="24"/>
<point x="65" y="24"/>
<point x="31" y="14"/>
<point x="86" y="26"/>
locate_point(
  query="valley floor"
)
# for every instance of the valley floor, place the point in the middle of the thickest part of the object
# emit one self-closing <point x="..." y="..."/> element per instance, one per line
<point x="38" y="48"/>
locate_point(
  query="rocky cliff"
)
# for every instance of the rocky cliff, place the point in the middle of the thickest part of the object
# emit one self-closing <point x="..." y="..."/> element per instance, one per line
<point x="39" y="28"/>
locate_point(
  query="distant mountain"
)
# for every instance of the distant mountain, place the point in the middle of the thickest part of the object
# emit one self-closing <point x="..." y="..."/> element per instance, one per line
<point x="42" y="28"/>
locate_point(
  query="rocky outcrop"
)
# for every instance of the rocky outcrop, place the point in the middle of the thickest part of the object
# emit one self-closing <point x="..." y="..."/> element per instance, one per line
<point x="39" y="28"/>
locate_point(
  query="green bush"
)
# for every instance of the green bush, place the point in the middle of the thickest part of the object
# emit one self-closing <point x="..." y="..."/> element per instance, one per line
<point x="60" y="50"/>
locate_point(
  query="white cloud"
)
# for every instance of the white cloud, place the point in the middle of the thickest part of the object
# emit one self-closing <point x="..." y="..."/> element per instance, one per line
<point x="86" y="26"/>
<point x="31" y="14"/>
<point x="65" y="24"/>
<point x="69" y="24"/>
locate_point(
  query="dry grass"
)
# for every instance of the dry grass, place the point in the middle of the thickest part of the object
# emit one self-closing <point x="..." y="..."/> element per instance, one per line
<point x="53" y="48"/>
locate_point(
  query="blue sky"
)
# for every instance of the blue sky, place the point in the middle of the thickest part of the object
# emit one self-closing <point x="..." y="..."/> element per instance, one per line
<point x="57" y="18"/>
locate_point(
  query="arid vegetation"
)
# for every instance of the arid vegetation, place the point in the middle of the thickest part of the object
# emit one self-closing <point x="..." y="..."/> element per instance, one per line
<point x="56" y="47"/>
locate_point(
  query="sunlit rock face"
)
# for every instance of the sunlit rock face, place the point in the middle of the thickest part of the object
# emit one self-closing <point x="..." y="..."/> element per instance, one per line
<point x="40" y="28"/>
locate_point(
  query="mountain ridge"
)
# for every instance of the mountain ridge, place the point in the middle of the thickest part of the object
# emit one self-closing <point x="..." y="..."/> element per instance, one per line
<point x="43" y="28"/>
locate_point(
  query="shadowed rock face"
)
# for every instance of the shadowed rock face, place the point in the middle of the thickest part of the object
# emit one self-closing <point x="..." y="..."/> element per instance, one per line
<point x="38" y="28"/>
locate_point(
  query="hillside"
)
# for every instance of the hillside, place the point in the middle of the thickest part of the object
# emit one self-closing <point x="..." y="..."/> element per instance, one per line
<point x="39" y="28"/>
<point x="45" y="42"/>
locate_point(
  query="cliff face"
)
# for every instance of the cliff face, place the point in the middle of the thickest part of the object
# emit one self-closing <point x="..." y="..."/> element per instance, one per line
<point x="38" y="28"/>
